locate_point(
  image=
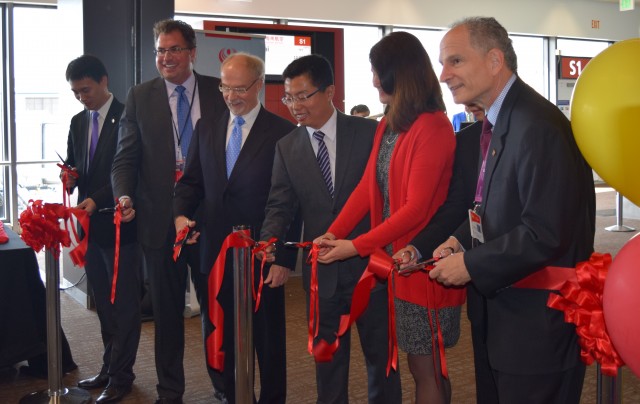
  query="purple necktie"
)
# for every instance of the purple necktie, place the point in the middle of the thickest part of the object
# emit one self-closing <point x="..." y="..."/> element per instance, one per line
<point x="95" y="133"/>
<point x="485" y="137"/>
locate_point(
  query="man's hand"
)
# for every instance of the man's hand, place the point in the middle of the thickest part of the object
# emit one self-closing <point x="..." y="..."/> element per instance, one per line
<point x="181" y="222"/>
<point x="89" y="205"/>
<point x="278" y="276"/>
<point x="336" y="250"/>
<point x="71" y="181"/>
<point x="126" y="208"/>
<point x="269" y="252"/>
<point x="450" y="270"/>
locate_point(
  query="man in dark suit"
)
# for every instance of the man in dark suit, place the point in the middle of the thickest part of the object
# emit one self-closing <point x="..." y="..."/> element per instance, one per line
<point x="236" y="194"/>
<point x="534" y="216"/>
<point x="298" y="183"/>
<point x="156" y="128"/>
<point x="93" y="136"/>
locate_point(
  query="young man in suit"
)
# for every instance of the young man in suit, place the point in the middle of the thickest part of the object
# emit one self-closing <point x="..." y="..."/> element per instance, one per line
<point x="534" y="216"/>
<point x="299" y="182"/>
<point x="155" y="133"/>
<point x="235" y="193"/>
<point x="93" y="135"/>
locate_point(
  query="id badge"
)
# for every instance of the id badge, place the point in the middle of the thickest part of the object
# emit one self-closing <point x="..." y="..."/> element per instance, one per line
<point x="475" y="221"/>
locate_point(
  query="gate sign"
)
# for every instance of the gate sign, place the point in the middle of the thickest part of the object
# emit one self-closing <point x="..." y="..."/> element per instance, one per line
<point x="571" y="67"/>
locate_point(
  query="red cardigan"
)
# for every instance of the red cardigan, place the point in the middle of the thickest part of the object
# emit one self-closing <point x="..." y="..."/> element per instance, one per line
<point x="419" y="175"/>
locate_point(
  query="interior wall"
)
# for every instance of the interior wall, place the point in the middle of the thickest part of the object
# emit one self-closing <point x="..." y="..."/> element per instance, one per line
<point x="566" y="18"/>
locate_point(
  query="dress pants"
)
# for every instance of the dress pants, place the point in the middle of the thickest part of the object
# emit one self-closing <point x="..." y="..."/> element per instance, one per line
<point x="269" y="339"/>
<point x="167" y="287"/>
<point x="332" y="377"/>
<point x="119" y="322"/>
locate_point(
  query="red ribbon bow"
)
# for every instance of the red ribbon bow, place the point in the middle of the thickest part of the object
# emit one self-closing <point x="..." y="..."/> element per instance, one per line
<point x="582" y="306"/>
<point x="41" y="229"/>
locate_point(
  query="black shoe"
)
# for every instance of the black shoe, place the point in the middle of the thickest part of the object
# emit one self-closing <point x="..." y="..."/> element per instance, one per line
<point x="113" y="394"/>
<point x="98" y="381"/>
<point x="163" y="400"/>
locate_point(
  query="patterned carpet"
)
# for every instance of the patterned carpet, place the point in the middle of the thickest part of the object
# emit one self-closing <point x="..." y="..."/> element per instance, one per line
<point x="81" y="327"/>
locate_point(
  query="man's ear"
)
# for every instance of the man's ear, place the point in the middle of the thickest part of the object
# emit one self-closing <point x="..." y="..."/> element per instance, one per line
<point x="496" y="58"/>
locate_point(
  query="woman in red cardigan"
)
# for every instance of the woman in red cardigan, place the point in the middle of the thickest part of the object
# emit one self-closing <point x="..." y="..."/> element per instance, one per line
<point x="406" y="180"/>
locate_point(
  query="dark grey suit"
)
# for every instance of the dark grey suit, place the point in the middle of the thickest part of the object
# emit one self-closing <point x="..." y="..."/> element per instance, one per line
<point x="144" y="169"/>
<point x="239" y="200"/>
<point x="297" y="184"/>
<point x="538" y="210"/>
<point x="119" y="322"/>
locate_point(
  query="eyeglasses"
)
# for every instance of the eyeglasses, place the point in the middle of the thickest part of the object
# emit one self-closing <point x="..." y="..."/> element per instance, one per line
<point x="300" y="99"/>
<point x="173" y="51"/>
<point x="238" y="90"/>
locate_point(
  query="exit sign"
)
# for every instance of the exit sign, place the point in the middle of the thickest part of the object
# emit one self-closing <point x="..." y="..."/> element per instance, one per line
<point x="626" y="5"/>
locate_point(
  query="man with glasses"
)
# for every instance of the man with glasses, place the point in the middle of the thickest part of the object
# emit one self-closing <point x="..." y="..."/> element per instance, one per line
<point x="229" y="172"/>
<point x="155" y="132"/>
<point x="316" y="168"/>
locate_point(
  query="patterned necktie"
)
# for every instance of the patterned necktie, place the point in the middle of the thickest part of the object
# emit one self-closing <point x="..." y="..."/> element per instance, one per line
<point x="95" y="134"/>
<point x="323" y="160"/>
<point x="235" y="144"/>
<point x="485" y="137"/>
<point x="185" y="127"/>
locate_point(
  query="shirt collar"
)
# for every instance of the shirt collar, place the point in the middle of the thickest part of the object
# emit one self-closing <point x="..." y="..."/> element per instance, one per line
<point x="329" y="127"/>
<point x="104" y="109"/>
<point x="494" y="109"/>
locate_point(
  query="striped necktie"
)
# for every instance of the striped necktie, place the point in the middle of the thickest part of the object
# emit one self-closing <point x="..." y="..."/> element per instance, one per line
<point x="323" y="160"/>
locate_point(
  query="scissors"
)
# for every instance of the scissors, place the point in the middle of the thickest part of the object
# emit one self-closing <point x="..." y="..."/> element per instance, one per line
<point x="67" y="167"/>
<point x="408" y="270"/>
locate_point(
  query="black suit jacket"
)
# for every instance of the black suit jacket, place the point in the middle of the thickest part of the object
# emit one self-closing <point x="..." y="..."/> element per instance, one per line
<point x="239" y="200"/>
<point x="145" y="161"/>
<point x="538" y="210"/>
<point x="95" y="179"/>
<point x="297" y="183"/>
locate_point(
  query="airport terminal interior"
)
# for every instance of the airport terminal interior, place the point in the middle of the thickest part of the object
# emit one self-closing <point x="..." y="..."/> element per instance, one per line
<point x="554" y="43"/>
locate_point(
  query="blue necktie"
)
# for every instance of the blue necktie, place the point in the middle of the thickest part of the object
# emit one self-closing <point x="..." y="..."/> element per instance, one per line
<point x="185" y="127"/>
<point x="235" y="144"/>
<point x="323" y="161"/>
<point x="95" y="134"/>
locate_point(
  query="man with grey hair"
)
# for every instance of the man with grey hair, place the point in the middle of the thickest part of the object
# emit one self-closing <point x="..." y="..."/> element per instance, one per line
<point x="228" y="171"/>
<point x="526" y="226"/>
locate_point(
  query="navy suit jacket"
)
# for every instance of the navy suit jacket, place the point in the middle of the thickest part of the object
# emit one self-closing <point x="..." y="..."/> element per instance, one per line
<point x="95" y="179"/>
<point x="538" y="210"/>
<point x="239" y="200"/>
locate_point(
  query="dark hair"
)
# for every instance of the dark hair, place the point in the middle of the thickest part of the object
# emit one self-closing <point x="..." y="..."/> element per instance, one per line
<point x="86" y="66"/>
<point x="316" y="66"/>
<point x="486" y="33"/>
<point x="359" y="108"/>
<point x="405" y="71"/>
<point x="167" y="26"/>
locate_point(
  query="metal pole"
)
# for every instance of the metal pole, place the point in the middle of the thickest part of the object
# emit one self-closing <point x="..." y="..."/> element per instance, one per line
<point x="243" y="321"/>
<point x="609" y="388"/>
<point x="57" y="393"/>
<point x="619" y="226"/>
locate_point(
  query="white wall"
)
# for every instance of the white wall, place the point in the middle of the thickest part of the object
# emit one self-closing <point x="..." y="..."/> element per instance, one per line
<point x="568" y="18"/>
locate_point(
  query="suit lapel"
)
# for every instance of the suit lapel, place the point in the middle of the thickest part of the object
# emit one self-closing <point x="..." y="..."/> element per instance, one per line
<point x="254" y="143"/>
<point x="344" y="144"/>
<point x="220" y="143"/>
<point x="83" y="143"/>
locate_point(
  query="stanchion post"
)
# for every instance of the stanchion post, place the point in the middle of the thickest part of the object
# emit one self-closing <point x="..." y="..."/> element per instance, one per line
<point x="57" y="393"/>
<point x="619" y="226"/>
<point x="609" y="388"/>
<point x="243" y="320"/>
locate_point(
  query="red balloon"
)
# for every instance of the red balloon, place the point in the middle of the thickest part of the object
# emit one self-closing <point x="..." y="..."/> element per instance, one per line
<point x="621" y="303"/>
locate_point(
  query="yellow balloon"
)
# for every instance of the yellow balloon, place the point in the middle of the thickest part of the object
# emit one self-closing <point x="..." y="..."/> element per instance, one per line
<point x="605" y="116"/>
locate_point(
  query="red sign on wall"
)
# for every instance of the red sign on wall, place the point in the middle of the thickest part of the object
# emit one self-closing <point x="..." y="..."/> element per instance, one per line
<point x="571" y="67"/>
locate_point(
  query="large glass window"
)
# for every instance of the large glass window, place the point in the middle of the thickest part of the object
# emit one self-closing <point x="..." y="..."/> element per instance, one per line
<point x="41" y="124"/>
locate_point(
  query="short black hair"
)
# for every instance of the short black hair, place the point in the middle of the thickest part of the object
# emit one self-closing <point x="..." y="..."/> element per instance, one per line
<point x="360" y="108"/>
<point x="316" y="66"/>
<point x="86" y="66"/>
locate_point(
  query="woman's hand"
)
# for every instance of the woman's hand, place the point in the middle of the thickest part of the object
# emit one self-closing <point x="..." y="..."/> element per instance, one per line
<point x="320" y="241"/>
<point x="406" y="256"/>
<point x="336" y="250"/>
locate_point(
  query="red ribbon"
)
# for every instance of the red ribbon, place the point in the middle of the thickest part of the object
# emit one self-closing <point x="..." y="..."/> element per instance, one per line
<point x="581" y="302"/>
<point x="41" y="229"/>
<point x="66" y="172"/>
<point x="117" y="220"/>
<point x="238" y="239"/>
<point x="180" y="241"/>
<point x="258" y="248"/>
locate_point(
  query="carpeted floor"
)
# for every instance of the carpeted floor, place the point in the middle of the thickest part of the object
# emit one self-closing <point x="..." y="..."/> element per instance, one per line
<point x="81" y="327"/>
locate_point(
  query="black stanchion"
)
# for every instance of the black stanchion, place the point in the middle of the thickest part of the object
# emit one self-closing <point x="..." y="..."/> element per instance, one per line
<point x="56" y="393"/>
<point x="243" y="320"/>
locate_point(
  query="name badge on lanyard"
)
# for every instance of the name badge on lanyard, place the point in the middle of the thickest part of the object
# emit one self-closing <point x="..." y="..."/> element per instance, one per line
<point x="475" y="221"/>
